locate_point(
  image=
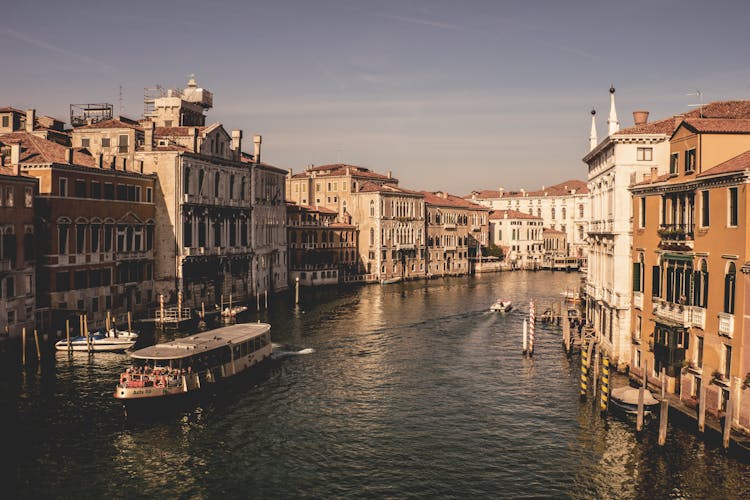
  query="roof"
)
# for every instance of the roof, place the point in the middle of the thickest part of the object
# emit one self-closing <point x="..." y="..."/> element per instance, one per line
<point x="665" y="126"/>
<point x="372" y="187"/>
<point x="340" y="169"/>
<point x="202" y="342"/>
<point x="511" y="214"/>
<point x="309" y="208"/>
<point x="549" y="230"/>
<point x="174" y="131"/>
<point x="441" y="199"/>
<point x="10" y="109"/>
<point x="718" y="125"/>
<point x="561" y="189"/>
<point x="35" y="150"/>
<point x="739" y="163"/>
<point x="731" y="110"/>
<point x="120" y="122"/>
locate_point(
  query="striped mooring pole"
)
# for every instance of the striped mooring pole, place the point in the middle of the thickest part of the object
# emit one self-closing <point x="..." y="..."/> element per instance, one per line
<point x="531" y="328"/>
<point x="584" y="372"/>
<point x="604" y="405"/>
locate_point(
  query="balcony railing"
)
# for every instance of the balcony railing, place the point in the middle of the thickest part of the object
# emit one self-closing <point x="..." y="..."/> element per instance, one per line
<point x="726" y="324"/>
<point x="673" y="312"/>
<point x="638" y="300"/>
<point x="698" y="317"/>
<point x="676" y="232"/>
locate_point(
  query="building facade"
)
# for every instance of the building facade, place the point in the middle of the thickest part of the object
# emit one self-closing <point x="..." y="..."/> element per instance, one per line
<point x="322" y="249"/>
<point x="690" y="249"/>
<point x="520" y="235"/>
<point x="563" y="207"/>
<point x="456" y="231"/>
<point x="17" y="249"/>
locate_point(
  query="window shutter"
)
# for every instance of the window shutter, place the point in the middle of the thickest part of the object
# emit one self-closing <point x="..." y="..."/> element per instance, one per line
<point x="697" y="295"/>
<point x="705" y="291"/>
<point x="636" y="277"/>
<point x="655" y="282"/>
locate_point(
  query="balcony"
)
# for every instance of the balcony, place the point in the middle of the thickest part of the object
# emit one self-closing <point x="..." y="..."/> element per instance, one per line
<point x="726" y="324"/>
<point x="677" y="236"/>
<point x="675" y="313"/>
<point x="449" y="226"/>
<point x="638" y="300"/>
<point x="698" y="317"/>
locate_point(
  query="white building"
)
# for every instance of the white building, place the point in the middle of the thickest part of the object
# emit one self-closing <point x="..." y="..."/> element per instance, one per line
<point x="622" y="157"/>
<point x="520" y="235"/>
<point x="563" y="207"/>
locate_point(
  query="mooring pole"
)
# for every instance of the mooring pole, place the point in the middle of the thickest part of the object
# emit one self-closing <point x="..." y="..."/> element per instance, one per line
<point x="67" y="335"/>
<point x="130" y="326"/>
<point x="36" y="341"/>
<point x="605" y="385"/>
<point x="641" y="394"/>
<point x="728" y="417"/>
<point x="584" y="372"/>
<point x="257" y="301"/>
<point x="664" y="414"/>
<point x="531" y="328"/>
<point x="296" y="290"/>
<point x="23" y="346"/>
<point x="525" y="333"/>
<point x="702" y="408"/>
<point x="266" y="292"/>
<point x="161" y="308"/>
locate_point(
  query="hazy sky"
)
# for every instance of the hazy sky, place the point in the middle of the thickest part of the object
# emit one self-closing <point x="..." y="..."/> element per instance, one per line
<point x="452" y="95"/>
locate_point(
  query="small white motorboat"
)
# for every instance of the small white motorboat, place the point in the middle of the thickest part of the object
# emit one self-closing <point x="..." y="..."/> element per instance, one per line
<point x="501" y="305"/>
<point x="626" y="400"/>
<point x="101" y="341"/>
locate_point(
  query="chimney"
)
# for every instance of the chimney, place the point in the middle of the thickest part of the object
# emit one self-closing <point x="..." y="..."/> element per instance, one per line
<point x="640" y="117"/>
<point x="148" y="140"/>
<point x="237" y="143"/>
<point x="654" y="173"/>
<point x="140" y="166"/>
<point x="257" y="140"/>
<point x="194" y="135"/>
<point x="390" y="174"/>
<point x="69" y="156"/>
<point x="30" y="119"/>
<point x="677" y="120"/>
<point x="15" y="158"/>
<point x="500" y="192"/>
<point x="99" y="162"/>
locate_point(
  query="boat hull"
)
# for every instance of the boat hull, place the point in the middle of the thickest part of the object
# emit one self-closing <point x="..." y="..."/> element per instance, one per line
<point x="96" y="346"/>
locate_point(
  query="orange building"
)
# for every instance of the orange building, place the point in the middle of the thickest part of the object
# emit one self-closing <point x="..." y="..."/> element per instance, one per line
<point x="690" y="240"/>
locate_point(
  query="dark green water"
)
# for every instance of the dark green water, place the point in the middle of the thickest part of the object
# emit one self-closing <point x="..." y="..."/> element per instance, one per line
<point x="414" y="390"/>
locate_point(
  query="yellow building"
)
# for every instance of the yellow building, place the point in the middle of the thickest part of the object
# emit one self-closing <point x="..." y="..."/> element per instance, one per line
<point x="690" y="240"/>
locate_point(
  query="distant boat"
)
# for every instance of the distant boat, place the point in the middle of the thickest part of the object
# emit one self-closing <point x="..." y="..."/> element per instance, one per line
<point x="390" y="280"/>
<point x="232" y="312"/>
<point x="100" y="341"/>
<point x="501" y="305"/>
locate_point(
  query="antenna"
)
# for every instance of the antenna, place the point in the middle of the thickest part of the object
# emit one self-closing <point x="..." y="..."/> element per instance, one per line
<point x="119" y="103"/>
<point x="699" y="95"/>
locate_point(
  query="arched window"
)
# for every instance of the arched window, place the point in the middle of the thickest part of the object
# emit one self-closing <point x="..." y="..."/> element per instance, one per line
<point x="186" y="181"/>
<point x="729" y="288"/>
<point x="372" y="236"/>
<point x="372" y="208"/>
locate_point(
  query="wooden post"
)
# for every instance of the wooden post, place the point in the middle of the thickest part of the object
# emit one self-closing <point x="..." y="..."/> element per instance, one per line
<point x="67" y="335"/>
<point x="595" y="382"/>
<point x="109" y="321"/>
<point x="728" y="417"/>
<point x="161" y="308"/>
<point x="130" y="324"/>
<point x="664" y="413"/>
<point x="566" y="331"/>
<point x="525" y="333"/>
<point x="86" y="330"/>
<point x="584" y="372"/>
<point x="605" y="385"/>
<point x="257" y="301"/>
<point x="641" y="393"/>
<point x="221" y="306"/>
<point x="203" y="310"/>
<point x="23" y="346"/>
<point x="38" y="350"/>
<point x="179" y="307"/>
<point x="702" y="407"/>
<point x="230" y="303"/>
<point x="266" y="299"/>
<point x="296" y="290"/>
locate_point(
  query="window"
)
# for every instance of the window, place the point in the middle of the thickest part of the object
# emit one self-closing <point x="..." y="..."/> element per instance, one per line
<point x="644" y="154"/>
<point x="109" y="191"/>
<point x="85" y="142"/>
<point x="656" y="281"/>
<point x="553" y="213"/>
<point x="9" y="202"/>
<point x="638" y="268"/>
<point x="372" y="236"/>
<point x="727" y="360"/>
<point x="95" y="238"/>
<point x="105" y="142"/>
<point x="580" y="211"/>
<point x="96" y="190"/>
<point x="564" y="213"/>
<point x="80" y="188"/>
<point x="699" y="352"/>
<point x="6" y="121"/>
<point x="729" y="288"/>
<point x="733" y="208"/>
<point x="80" y="238"/>
<point x="638" y="327"/>
<point x="642" y="213"/>
<point x="122" y="192"/>
<point x="217" y="183"/>
<point x="705" y="210"/>
<point x="690" y="161"/>
<point x="674" y="163"/>
<point x="122" y="143"/>
<point x="10" y="287"/>
<point x="372" y="208"/>
<point x="700" y="285"/>
<point x="28" y="199"/>
<point x="62" y="239"/>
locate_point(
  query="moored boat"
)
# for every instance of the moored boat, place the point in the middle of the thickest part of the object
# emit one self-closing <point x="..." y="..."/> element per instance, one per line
<point x="233" y="311"/>
<point x="501" y="305"/>
<point x="188" y="364"/>
<point x="625" y="399"/>
<point x="100" y="341"/>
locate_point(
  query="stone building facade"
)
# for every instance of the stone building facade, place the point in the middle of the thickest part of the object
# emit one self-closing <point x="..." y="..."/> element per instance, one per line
<point x="520" y="235"/>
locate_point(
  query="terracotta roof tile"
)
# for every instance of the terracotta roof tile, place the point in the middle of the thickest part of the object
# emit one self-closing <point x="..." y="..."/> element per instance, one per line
<point x="373" y="187"/>
<point x="549" y="230"/>
<point x="739" y="163"/>
<point x="120" y="122"/>
<point x="718" y="125"/>
<point x="561" y="189"/>
<point x="436" y="199"/>
<point x="512" y="214"/>
<point x="35" y="150"/>
<point x="10" y="109"/>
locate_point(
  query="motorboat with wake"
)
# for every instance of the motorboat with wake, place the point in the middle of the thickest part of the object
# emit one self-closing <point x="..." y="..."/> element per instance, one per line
<point x="501" y="305"/>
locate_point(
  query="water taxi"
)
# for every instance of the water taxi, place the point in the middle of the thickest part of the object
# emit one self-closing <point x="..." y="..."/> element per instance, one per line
<point x="186" y="365"/>
<point x="100" y="341"/>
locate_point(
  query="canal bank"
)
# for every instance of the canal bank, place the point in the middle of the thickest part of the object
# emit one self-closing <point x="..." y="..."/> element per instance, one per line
<point x="413" y="390"/>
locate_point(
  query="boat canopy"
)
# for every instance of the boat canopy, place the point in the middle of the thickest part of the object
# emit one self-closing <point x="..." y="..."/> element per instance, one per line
<point x="203" y="342"/>
<point x="629" y="395"/>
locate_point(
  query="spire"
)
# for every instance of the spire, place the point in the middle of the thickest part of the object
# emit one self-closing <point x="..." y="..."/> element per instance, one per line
<point x="612" y="124"/>
<point x="593" y="141"/>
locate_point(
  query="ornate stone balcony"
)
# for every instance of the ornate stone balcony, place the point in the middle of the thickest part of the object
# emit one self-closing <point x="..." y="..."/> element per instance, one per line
<point x="726" y="324"/>
<point x="638" y="300"/>
<point x="675" y="313"/>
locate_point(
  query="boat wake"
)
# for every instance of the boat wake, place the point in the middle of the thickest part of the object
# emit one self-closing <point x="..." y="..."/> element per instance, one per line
<point x="281" y="352"/>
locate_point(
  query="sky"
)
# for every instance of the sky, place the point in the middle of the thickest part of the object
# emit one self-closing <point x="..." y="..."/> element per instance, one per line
<point x="448" y="95"/>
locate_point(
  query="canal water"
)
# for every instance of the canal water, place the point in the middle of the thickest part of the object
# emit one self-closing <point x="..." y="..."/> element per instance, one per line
<point x="412" y="390"/>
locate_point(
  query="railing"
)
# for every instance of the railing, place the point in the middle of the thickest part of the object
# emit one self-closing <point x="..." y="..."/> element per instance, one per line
<point x="449" y="226"/>
<point x="172" y="314"/>
<point x="673" y="312"/>
<point x="698" y="317"/>
<point x="676" y="232"/>
<point x="638" y="300"/>
<point x="726" y="324"/>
